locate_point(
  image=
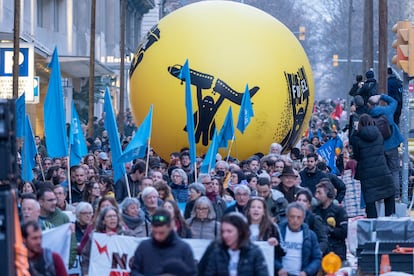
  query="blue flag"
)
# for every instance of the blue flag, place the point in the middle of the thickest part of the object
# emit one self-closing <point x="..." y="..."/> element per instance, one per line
<point x="54" y="113"/>
<point x="114" y="142"/>
<point x="227" y="130"/>
<point x="78" y="147"/>
<point x="246" y="111"/>
<point x="210" y="158"/>
<point x="327" y="152"/>
<point x="20" y="116"/>
<point x="29" y="151"/>
<point x="138" y="145"/>
<point x="185" y="75"/>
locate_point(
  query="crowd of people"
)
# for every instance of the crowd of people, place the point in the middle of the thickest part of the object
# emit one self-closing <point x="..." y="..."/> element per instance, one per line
<point x="297" y="201"/>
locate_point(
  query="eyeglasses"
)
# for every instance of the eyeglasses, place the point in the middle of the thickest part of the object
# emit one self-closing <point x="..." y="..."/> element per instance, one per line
<point x="176" y="175"/>
<point x="208" y="183"/>
<point x="86" y="213"/>
<point x="202" y="208"/>
<point x="51" y="199"/>
<point x="242" y="194"/>
<point x="111" y="216"/>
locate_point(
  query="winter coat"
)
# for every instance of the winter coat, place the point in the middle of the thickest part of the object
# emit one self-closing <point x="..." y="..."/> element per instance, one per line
<point x="396" y="138"/>
<point x="311" y="253"/>
<point x="311" y="179"/>
<point x="372" y="168"/>
<point x="337" y="231"/>
<point x="369" y="89"/>
<point x="207" y="229"/>
<point x="216" y="260"/>
<point x="152" y="257"/>
<point x="180" y="192"/>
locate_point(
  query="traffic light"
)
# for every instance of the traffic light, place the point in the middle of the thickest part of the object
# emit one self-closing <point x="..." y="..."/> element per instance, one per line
<point x="302" y="31"/>
<point x="335" y="60"/>
<point x="404" y="45"/>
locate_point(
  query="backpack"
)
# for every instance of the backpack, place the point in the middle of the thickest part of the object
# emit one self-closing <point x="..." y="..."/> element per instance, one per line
<point x="381" y="122"/>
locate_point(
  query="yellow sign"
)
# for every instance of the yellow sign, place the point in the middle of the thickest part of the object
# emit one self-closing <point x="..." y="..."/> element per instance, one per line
<point x="228" y="45"/>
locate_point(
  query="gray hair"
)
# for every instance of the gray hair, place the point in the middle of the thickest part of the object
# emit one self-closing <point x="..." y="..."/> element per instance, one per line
<point x="295" y="205"/>
<point x="81" y="207"/>
<point x="201" y="176"/>
<point x="224" y="163"/>
<point x="182" y="173"/>
<point x="277" y="146"/>
<point x="241" y="188"/>
<point x="203" y="200"/>
<point x="198" y="187"/>
<point x="149" y="190"/>
<point x="129" y="201"/>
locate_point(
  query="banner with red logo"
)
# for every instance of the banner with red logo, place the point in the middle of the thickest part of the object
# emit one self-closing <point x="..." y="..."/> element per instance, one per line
<point x="111" y="255"/>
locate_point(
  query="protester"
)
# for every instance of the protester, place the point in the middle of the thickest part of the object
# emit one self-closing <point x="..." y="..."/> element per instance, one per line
<point x="181" y="226"/>
<point x="133" y="217"/>
<point x="334" y="217"/>
<point x="42" y="261"/>
<point x="195" y="191"/>
<point x="203" y="221"/>
<point x="303" y="256"/>
<point x="108" y="222"/>
<point x="372" y="169"/>
<point x="234" y="253"/>
<point x="152" y="255"/>
<point x="315" y="223"/>
<point x="84" y="215"/>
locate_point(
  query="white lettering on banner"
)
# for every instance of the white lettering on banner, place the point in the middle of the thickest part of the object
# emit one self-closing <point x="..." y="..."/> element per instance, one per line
<point x="111" y="255"/>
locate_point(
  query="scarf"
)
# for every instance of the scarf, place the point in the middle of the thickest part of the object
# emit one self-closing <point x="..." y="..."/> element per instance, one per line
<point x="133" y="222"/>
<point x="211" y="195"/>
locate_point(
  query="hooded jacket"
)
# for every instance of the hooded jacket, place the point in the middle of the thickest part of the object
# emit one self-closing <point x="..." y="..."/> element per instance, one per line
<point x="372" y="168"/>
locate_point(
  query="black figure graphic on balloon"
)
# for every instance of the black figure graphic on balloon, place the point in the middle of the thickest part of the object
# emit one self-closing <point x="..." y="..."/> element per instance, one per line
<point x="207" y="108"/>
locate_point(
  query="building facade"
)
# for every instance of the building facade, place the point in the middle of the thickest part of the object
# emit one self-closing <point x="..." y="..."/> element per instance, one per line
<point x="65" y="24"/>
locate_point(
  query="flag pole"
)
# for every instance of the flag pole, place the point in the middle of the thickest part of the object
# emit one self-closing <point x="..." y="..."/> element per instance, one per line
<point x="127" y="184"/>
<point x="147" y="162"/>
<point x="231" y="145"/>
<point x="68" y="177"/>
<point x="41" y="169"/>
<point x="68" y="163"/>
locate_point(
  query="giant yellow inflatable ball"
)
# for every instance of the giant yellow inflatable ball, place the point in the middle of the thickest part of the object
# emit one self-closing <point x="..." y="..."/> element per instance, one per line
<point x="228" y="45"/>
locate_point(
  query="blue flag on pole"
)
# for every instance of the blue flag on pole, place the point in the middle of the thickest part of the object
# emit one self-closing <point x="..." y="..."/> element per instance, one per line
<point x="29" y="151"/>
<point x="78" y="147"/>
<point x="114" y="142"/>
<point x="327" y="152"/>
<point x="20" y="116"/>
<point x="246" y="111"/>
<point x="54" y="113"/>
<point x="185" y="75"/>
<point x="227" y="130"/>
<point x="138" y="145"/>
<point x="209" y="161"/>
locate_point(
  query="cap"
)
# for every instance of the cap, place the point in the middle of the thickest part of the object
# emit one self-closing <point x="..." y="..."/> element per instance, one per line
<point x="161" y="217"/>
<point x="102" y="155"/>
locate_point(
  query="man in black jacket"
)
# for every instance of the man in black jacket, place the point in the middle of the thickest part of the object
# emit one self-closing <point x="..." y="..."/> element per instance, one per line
<point x="334" y="216"/>
<point x="310" y="176"/>
<point x="155" y="255"/>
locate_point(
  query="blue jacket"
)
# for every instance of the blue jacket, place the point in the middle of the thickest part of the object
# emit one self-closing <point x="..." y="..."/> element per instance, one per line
<point x="311" y="253"/>
<point x="396" y="138"/>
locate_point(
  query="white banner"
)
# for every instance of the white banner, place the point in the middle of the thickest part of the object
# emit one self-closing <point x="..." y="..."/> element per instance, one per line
<point x="110" y="255"/>
<point x="58" y="240"/>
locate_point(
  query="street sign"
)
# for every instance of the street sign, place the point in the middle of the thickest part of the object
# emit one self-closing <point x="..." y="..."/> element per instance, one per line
<point x="26" y="69"/>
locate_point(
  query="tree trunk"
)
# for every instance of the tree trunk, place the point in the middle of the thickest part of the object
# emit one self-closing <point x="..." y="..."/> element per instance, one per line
<point x="368" y="36"/>
<point x="122" y="70"/>
<point x="382" y="48"/>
